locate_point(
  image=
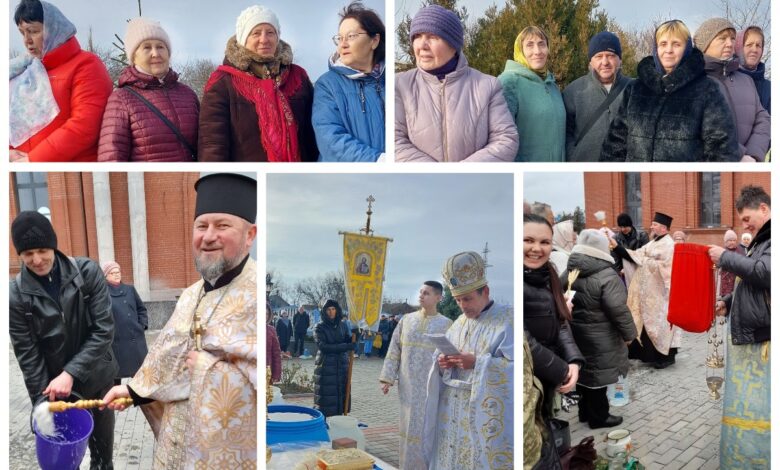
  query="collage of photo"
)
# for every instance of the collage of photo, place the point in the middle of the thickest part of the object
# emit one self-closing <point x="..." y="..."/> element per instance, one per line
<point x="636" y="137"/>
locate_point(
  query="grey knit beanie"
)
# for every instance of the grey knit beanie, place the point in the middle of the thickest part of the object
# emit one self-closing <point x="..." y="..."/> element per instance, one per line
<point x="708" y="30"/>
<point x="440" y="21"/>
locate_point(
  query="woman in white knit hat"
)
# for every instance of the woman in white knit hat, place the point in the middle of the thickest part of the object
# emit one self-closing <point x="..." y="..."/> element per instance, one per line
<point x="150" y="116"/>
<point x="257" y="105"/>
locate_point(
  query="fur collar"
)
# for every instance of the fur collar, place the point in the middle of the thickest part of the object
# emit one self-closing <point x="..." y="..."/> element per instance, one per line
<point x="690" y="69"/>
<point x="243" y="59"/>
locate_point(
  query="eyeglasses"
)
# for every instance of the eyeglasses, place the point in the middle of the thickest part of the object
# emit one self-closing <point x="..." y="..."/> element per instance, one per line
<point x="349" y="37"/>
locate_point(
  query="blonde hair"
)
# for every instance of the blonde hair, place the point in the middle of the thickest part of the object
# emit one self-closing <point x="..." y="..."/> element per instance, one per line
<point x="674" y="28"/>
<point x="526" y="33"/>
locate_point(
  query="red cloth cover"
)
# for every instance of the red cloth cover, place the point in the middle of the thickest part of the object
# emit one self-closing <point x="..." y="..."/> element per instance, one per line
<point x="692" y="293"/>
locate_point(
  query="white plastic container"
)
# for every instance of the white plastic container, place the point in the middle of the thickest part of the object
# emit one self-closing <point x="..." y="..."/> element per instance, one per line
<point x="346" y="426"/>
<point x="618" y="440"/>
<point x="277" y="396"/>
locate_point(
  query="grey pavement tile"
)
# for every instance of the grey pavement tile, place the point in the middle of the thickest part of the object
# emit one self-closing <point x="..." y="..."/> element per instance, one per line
<point x="695" y="463"/>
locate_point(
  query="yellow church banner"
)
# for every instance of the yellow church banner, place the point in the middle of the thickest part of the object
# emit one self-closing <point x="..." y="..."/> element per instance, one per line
<point x="364" y="274"/>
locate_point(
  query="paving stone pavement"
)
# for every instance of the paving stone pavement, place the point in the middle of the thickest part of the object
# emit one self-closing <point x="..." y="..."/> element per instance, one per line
<point x="133" y="438"/>
<point x="673" y="422"/>
<point x="369" y="406"/>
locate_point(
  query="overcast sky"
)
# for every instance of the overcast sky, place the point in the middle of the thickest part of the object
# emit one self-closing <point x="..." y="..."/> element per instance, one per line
<point x="562" y="191"/>
<point x="200" y="28"/>
<point x="429" y="218"/>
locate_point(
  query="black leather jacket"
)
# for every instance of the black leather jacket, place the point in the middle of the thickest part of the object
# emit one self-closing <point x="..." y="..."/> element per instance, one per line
<point x="73" y="334"/>
<point x="749" y="304"/>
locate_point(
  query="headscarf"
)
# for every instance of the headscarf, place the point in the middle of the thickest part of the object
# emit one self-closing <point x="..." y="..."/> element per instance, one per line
<point x="519" y="56"/>
<point x="686" y="53"/>
<point x="562" y="236"/>
<point x="31" y="100"/>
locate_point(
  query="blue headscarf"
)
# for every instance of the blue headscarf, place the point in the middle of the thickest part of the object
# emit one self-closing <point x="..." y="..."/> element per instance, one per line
<point x="686" y="53"/>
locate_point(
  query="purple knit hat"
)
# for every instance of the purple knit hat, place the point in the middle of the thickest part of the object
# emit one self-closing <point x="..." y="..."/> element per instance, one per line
<point x="440" y="21"/>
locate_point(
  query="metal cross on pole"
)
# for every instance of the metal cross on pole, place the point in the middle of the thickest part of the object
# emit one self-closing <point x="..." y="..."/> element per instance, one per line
<point x="367" y="229"/>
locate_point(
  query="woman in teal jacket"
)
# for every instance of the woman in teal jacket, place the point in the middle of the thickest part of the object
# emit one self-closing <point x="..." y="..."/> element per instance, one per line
<point x="348" y="114"/>
<point x="534" y="99"/>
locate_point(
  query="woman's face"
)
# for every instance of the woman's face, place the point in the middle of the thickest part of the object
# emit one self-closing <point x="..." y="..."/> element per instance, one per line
<point x="537" y="244"/>
<point x="357" y="53"/>
<point x="115" y="275"/>
<point x="670" y="51"/>
<point x="262" y="40"/>
<point x="331" y="312"/>
<point x="536" y="51"/>
<point x="153" y="57"/>
<point x="431" y="51"/>
<point x="32" y="36"/>
<point x="722" y="47"/>
<point x="753" y="49"/>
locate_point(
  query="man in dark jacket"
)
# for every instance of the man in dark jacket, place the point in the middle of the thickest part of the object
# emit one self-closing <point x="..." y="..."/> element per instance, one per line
<point x="384" y="330"/>
<point x="284" y="330"/>
<point x="746" y="412"/>
<point x="593" y="99"/>
<point x="62" y="327"/>
<point x="300" y="326"/>
<point x="628" y="237"/>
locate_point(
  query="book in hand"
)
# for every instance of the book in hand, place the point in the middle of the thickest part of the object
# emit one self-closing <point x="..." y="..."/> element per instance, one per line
<point x="443" y="344"/>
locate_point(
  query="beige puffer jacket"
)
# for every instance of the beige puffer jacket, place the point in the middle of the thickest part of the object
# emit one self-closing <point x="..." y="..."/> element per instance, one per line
<point x="461" y="118"/>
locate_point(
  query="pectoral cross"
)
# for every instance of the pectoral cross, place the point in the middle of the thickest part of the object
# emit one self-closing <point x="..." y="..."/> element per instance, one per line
<point x="197" y="331"/>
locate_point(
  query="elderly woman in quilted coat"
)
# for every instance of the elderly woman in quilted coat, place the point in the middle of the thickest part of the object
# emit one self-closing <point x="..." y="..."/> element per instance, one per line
<point x="56" y="110"/>
<point x="446" y="111"/>
<point x="131" y="130"/>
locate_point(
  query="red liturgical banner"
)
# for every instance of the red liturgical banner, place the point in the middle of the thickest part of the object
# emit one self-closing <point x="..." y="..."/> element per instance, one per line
<point x="692" y="294"/>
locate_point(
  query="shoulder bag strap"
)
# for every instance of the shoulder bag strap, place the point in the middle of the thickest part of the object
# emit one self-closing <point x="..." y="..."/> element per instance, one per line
<point x="600" y="110"/>
<point x="164" y="119"/>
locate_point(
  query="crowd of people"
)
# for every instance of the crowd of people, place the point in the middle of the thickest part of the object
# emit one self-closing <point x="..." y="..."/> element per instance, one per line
<point x="583" y="323"/>
<point x="77" y="331"/>
<point x="257" y="106"/>
<point x="700" y="97"/>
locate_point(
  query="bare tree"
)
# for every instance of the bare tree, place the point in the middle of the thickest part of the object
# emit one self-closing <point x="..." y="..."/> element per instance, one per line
<point x="745" y="13"/>
<point x="316" y="290"/>
<point x="195" y="74"/>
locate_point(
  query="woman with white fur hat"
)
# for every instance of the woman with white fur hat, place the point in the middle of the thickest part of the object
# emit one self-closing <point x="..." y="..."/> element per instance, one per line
<point x="601" y="324"/>
<point x="150" y="116"/>
<point x="257" y="105"/>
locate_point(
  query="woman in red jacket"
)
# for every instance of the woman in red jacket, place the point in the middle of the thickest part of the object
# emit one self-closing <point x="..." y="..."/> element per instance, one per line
<point x="80" y="86"/>
<point x="132" y="128"/>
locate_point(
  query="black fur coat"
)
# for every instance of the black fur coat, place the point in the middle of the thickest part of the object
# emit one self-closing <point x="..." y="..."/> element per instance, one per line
<point x="680" y="117"/>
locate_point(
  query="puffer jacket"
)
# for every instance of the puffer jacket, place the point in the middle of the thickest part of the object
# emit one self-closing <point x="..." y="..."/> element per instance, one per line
<point x="132" y="132"/>
<point x="228" y="122"/>
<point x="461" y="118"/>
<point x="551" y="342"/>
<point x="679" y="117"/>
<point x="348" y="114"/>
<point x="130" y="322"/>
<point x="81" y="86"/>
<point x="601" y="321"/>
<point x="333" y="340"/>
<point x="752" y="120"/>
<point x="749" y="305"/>
<point x="72" y="333"/>
<point x="537" y="109"/>
<point x="582" y="98"/>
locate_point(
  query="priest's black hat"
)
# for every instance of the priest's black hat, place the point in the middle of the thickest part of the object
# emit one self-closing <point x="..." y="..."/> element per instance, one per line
<point x="663" y="219"/>
<point x="227" y="193"/>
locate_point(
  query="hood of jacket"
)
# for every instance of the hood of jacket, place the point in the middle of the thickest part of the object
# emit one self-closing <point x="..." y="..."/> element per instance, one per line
<point x="720" y="67"/>
<point x="339" y="314"/>
<point x="688" y="70"/>
<point x="589" y="260"/>
<point x="335" y="64"/>
<point x="523" y="71"/>
<point x="131" y="76"/>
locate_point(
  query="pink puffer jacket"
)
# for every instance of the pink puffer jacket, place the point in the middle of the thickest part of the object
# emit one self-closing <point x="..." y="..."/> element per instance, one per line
<point x="462" y="118"/>
<point x="132" y="132"/>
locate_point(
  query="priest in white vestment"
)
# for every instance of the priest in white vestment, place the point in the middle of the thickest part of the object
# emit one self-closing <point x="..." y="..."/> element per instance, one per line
<point x="469" y="404"/>
<point x="648" y="296"/>
<point x="409" y="360"/>
<point x="198" y="384"/>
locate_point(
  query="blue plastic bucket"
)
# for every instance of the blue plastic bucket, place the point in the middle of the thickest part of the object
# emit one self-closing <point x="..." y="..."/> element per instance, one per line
<point x="67" y="449"/>
<point x="310" y="430"/>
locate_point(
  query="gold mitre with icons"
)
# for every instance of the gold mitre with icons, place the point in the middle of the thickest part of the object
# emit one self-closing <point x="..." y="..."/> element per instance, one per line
<point x="464" y="273"/>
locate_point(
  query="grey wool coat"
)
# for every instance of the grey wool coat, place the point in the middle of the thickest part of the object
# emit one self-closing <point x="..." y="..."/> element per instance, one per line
<point x="582" y="98"/>
<point x="601" y="321"/>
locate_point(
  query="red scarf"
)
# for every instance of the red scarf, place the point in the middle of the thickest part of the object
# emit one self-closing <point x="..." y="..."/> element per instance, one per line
<point x="276" y="123"/>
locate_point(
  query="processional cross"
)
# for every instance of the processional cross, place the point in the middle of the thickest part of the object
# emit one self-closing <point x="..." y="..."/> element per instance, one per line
<point x="367" y="229"/>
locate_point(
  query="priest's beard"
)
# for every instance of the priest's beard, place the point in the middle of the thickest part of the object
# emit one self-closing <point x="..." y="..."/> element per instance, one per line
<point x="213" y="270"/>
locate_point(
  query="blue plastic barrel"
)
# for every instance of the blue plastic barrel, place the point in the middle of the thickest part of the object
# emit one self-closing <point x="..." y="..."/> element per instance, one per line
<point x="310" y="430"/>
<point x="66" y="450"/>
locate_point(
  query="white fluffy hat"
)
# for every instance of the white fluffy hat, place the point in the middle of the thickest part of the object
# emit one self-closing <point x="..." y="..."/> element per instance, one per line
<point x="253" y="16"/>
